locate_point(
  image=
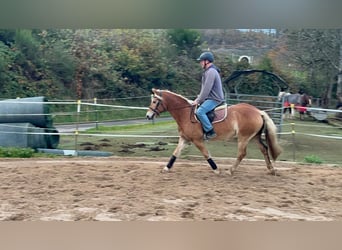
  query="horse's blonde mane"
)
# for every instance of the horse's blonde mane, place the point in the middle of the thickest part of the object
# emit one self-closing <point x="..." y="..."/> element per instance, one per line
<point x="179" y="95"/>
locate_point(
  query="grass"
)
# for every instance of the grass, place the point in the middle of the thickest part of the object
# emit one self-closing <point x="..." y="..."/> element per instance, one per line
<point x="144" y="141"/>
<point x="305" y="143"/>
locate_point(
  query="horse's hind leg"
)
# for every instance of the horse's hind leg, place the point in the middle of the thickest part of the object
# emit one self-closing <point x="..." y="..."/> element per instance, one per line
<point x="242" y="151"/>
<point x="264" y="150"/>
<point x="176" y="153"/>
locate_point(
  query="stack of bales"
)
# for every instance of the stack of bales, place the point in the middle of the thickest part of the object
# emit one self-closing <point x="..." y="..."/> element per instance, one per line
<point x="27" y="123"/>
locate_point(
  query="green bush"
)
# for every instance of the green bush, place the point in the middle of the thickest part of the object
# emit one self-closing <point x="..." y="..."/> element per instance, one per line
<point x="16" y="152"/>
<point x="313" y="159"/>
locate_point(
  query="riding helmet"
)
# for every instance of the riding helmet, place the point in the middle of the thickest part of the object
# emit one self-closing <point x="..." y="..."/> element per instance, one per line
<point x="206" y="56"/>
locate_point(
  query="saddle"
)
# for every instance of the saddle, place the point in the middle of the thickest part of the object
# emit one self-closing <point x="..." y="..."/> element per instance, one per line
<point x="216" y="115"/>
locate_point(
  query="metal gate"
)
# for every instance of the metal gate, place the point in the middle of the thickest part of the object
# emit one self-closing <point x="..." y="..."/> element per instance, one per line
<point x="267" y="101"/>
<point x="270" y="104"/>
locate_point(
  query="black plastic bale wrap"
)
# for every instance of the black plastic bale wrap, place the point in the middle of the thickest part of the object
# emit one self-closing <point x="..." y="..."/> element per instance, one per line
<point x="26" y="135"/>
<point x="51" y="137"/>
<point x="32" y="110"/>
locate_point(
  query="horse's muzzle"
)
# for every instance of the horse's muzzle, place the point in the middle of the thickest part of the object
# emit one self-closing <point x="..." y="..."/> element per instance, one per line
<point x="150" y="115"/>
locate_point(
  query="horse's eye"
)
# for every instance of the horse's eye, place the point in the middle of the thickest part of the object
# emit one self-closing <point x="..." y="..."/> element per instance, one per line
<point x="154" y="101"/>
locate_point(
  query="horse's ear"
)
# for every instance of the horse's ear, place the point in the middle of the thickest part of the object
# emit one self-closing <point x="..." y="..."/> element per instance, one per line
<point x="156" y="93"/>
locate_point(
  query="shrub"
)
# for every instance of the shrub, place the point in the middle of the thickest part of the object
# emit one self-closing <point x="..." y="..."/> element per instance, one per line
<point x="313" y="159"/>
<point x="16" y="152"/>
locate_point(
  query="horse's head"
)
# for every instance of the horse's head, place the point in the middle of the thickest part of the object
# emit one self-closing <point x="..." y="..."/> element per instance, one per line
<point x="305" y="100"/>
<point x="156" y="106"/>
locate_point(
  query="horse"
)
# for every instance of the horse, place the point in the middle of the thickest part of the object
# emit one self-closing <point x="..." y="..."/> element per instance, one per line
<point x="293" y="102"/>
<point x="304" y="102"/>
<point x="243" y="121"/>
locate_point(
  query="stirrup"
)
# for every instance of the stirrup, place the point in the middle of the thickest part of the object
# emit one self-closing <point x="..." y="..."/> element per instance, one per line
<point x="209" y="135"/>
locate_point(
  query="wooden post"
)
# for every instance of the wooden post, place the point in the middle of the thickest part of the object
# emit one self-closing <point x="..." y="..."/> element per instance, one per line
<point x="293" y="141"/>
<point x="96" y="114"/>
<point x="77" y="125"/>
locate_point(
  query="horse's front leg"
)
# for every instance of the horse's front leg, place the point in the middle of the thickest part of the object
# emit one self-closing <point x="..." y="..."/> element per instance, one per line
<point x="200" y="145"/>
<point x="176" y="153"/>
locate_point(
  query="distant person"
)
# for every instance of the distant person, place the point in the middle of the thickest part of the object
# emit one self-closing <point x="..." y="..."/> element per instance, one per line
<point x="211" y="94"/>
<point x="283" y="97"/>
<point x="282" y="93"/>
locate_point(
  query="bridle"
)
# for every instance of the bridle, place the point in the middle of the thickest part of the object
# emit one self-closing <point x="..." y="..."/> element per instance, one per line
<point x="159" y="102"/>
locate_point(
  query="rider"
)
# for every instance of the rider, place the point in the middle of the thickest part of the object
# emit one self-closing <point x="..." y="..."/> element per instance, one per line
<point x="211" y="93"/>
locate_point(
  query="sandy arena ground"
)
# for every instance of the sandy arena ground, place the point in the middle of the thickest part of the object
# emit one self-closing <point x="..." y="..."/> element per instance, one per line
<point x="133" y="189"/>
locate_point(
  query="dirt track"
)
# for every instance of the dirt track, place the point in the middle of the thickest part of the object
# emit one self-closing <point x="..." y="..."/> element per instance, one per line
<point x="125" y="189"/>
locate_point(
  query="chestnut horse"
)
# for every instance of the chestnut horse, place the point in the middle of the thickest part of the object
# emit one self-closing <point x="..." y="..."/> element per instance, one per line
<point x="243" y="121"/>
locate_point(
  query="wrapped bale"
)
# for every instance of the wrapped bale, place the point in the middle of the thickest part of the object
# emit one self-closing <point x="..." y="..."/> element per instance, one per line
<point x="32" y="110"/>
<point x="26" y="135"/>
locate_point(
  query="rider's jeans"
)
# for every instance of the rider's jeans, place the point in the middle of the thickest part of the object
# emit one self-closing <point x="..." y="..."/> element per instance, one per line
<point x="202" y="111"/>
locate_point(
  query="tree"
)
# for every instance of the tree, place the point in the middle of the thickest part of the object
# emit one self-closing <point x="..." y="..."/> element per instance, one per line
<point x="186" y="41"/>
<point x="318" y="53"/>
<point x="7" y="75"/>
<point x="141" y="61"/>
<point x="339" y="77"/>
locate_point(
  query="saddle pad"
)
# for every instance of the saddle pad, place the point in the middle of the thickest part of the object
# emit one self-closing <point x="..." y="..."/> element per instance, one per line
<point x="220" y="113"/>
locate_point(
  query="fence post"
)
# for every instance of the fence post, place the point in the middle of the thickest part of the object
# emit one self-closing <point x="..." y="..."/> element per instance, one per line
<point x="77" y="125"/>
<point x="96" y="114"/>
<point x="153" y="116"/>
<point x="293" y="141"/>
<point x="293" y="113"/>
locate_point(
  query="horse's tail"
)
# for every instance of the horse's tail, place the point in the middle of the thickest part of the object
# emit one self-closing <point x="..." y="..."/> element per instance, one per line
<point x="271" y="136"/>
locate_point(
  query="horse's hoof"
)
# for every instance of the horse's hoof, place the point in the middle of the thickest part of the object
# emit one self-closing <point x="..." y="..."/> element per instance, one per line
<point x="165" y="170"/>
<point x="230" y="171"/>
<point x="273" y="172"/>
<point x="217" y="171"/>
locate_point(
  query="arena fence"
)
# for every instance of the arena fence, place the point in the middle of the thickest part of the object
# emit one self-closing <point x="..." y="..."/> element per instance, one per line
<point x="270" y="104"/>
<point x="96" y="111"/>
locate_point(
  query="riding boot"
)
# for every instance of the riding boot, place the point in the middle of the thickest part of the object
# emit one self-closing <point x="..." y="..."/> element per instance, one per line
<point x="210" y="134"/>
